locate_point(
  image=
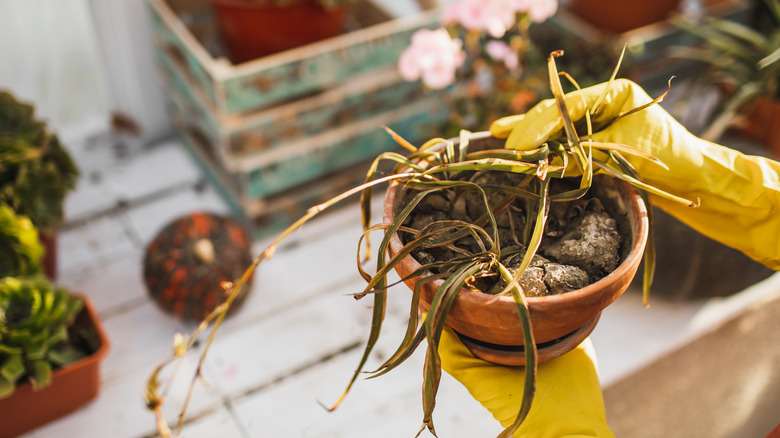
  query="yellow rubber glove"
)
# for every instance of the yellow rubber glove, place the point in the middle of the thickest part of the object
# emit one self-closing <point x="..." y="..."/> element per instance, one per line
<point x="568" y="401"/>
<point x="739" y="206"/>
<point x="739" y="194"/>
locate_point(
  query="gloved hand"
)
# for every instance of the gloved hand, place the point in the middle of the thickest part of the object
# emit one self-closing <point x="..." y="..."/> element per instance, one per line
<point x="568" y="401"/>
<point x="739" y="194"/>
<point x="739" y="198"/>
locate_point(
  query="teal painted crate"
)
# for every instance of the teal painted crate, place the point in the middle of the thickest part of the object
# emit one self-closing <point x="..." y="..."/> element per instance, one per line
<point x="279" y="134"/>
<point x="183" y="31"/>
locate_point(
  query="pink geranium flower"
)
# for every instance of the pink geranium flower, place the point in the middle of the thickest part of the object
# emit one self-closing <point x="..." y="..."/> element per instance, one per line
<point x="433" y="56"/>
<point x="493" y="16"/>
<point x="500" y="51"/>
<point x="496" y="16"/>
<point x="538" y="10"/>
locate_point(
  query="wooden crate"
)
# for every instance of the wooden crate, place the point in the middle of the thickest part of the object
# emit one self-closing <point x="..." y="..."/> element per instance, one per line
<point x="281" y="132"/>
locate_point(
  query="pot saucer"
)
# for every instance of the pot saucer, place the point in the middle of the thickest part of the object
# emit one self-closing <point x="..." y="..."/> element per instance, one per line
<point x="514" y="355"/>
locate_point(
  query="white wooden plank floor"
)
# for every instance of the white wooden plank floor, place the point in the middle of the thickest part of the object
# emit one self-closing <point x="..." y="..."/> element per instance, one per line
<point x="298" y="336"/>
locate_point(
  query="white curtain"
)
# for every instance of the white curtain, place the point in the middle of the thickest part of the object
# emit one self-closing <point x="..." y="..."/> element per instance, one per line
<point x="81" y="60"/>
<point x="48" y="56"/>
<point x="124" y="38"/>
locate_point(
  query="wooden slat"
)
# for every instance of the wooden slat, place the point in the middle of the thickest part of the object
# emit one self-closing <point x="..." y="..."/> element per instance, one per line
<point x="175" y="40"/>
<point x="234" y="139"/>
<point x="119" y="412"/>
<point x="280" y="169"/>
<point x="389" y="406"/>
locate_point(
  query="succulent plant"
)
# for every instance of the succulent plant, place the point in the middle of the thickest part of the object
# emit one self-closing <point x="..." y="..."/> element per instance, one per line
<point x="19" y="244"/>
<point x="35" y="169"/>
<point x="34" y="339"/>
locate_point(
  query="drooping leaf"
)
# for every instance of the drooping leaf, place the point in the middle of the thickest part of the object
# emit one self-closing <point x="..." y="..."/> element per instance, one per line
<point x="769" y="60"/>
<point x="414" y="335"/>
<point x="531" y="361"/>
<point x="618" y="174"/>
<point x="649" y="254"/>
<point x="658" y="99"/>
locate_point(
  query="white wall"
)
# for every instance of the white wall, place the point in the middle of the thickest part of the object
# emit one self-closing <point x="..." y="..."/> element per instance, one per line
<point x="78" y="60"/>
<point x="48" y="56"/>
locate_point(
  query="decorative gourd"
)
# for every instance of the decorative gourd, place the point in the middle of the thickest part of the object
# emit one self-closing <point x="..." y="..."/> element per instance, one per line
<point x="188" y="265"/>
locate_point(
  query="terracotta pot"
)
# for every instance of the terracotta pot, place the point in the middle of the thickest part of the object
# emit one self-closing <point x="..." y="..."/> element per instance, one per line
<point x="624" y="15"/>
<point x="252" y="29"/>
<point x="775" y="433"/>
<point x="762" y="123"/>
<point x="71" y="386"/>
<point x="493" y="321"/>
<point x="49" y="262"/>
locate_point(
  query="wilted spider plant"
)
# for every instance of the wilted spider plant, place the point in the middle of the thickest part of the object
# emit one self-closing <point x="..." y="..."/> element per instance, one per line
<point x="434" y="168"/>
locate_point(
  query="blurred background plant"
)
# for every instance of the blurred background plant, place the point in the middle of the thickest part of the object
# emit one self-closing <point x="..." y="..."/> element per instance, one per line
<point x="36" y="172"/>
<point x="19" y="244"/>
<point x="742" y="61"/>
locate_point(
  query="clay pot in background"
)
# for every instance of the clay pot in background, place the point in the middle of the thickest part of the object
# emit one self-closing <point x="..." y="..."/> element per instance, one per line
<point x="690" y="265"/>
<point x="251" y="29"/>
<point x="762" y="123"/>
<point x="624" y="15"/>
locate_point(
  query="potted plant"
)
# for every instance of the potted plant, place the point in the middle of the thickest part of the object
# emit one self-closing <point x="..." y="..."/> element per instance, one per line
<point x="254" y="28"/>
<point x="51" y="342"/>
<point x="744" y="65"/>
<point x="519" y="204"/>
<point x="585" y="262"/>
<point x="37" y="172"/>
